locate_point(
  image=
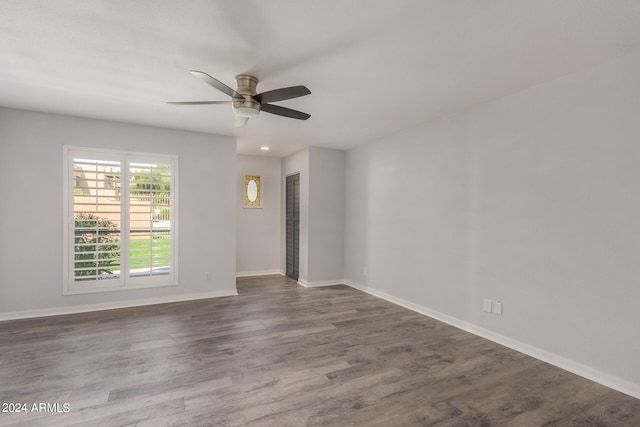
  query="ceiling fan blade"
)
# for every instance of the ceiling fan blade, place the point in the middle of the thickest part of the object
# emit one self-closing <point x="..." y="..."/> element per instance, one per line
<point x="198" y="102"/>
<point x="282" y="94"/>
<point x="240" y="121"/>
<point x="216" y="83"/>
<point x="286" y="112"/>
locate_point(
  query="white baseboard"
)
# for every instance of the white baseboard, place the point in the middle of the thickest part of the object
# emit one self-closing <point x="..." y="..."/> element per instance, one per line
<point x="57" y="311"/>
<point x="320" y="283"/>
<point x="258" y="273"/>
<point x="611" y="381"/>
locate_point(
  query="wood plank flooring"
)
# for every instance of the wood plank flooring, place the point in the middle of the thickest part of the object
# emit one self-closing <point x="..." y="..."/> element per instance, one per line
<point x="282" y="355"/>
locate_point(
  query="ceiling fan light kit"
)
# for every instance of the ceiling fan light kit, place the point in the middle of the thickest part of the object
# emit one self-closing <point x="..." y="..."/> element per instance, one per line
<point x="246" y="102"/>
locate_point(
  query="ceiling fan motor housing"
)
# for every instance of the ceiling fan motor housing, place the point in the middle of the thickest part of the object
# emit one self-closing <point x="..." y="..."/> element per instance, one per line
<point x="247" y="107"/>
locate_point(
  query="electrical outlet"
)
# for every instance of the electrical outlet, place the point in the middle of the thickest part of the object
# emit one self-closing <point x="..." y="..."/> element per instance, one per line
<point x="487" y="305"/>
<point x="207" y="276"/>
<point x="497" y="307"/>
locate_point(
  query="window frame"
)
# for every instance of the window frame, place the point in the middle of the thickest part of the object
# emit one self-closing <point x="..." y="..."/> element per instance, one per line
<point x="125" y="281"/>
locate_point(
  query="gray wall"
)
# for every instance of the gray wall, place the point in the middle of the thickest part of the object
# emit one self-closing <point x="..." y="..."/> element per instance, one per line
<point x="258" y="230"/>
<point x="322" y="193"/>
<point x="532" y="200"/>
<point x="326" y="216"/>
<point x="31" y="214"/>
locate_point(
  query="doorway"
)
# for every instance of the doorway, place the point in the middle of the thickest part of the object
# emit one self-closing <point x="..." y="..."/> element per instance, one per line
<point x="293" y="224"/>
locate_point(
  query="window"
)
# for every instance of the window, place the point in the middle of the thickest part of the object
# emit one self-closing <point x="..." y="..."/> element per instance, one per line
<point x="120" y="220"/>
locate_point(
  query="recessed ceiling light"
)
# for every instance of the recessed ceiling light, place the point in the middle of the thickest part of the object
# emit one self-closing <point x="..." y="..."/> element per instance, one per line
<point x="264" y="148"/>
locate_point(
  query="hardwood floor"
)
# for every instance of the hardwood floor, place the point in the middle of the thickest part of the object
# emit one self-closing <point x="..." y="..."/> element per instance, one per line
<point x="282" y="355"/>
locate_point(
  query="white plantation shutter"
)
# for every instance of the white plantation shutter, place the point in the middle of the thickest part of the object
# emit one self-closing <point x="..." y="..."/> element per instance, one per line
<point x="150" y="219"/>
<point x="96" y="219"/>
<point x="120" y="219"/>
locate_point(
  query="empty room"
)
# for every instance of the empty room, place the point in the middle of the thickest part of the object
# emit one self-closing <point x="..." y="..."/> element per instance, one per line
<point x="345" y="213"/>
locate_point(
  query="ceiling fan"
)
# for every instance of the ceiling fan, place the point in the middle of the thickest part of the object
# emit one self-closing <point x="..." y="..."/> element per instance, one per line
<point x="246" y="102"/>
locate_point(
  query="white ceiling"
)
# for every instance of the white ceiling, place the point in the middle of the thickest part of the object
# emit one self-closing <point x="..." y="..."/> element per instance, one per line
<point x="373" y="66"/>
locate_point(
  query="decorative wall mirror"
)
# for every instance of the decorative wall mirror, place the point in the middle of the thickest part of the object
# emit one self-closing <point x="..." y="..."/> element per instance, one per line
<point x="252" y="191"/>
